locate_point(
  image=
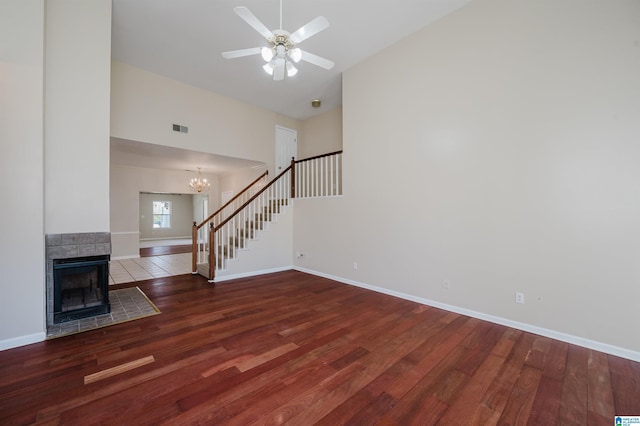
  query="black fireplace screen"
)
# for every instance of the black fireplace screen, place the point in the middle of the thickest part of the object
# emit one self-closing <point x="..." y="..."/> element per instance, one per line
<point x="81" y="288"/>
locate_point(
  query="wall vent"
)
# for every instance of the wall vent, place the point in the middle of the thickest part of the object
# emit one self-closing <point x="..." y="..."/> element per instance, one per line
<point x="181" y="129"/>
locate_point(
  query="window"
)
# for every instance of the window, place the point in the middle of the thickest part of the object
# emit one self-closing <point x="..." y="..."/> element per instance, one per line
<point x="162" y="214"/>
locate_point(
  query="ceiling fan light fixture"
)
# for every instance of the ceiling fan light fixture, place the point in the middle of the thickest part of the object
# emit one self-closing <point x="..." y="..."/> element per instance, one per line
<point x="295" y="54"/>
<point x="281" y="48"/>
<point x="291" y="70"/>
<point x="281" y="51"/>
<point x="268" y="68"/>
<point x="267" y="54"/>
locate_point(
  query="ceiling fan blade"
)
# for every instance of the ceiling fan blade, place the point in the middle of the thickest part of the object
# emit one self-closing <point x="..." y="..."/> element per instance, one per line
<point x="242" y="52"/>
<point x="317" y="60"/>
<point x="310" y="29"/>
<point x="251" y="19"/>
<point x="278" y="71"/>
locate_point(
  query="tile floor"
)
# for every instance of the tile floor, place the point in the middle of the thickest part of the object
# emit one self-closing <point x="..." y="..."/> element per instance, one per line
<point x="145" y="268"/>
<point x="126" y="304"/>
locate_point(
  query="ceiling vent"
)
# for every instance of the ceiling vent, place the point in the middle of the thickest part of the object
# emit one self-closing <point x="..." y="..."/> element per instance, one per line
<point x="181" y="129"/>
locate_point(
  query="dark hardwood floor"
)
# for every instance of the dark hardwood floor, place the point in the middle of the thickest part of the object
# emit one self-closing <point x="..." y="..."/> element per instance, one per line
<point x="291" y="347"/>
<point x="164" y="250"/>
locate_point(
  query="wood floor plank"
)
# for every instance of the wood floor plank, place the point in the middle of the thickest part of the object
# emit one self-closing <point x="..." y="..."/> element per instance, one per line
<point x="546" y="404"/>
<point x="518" y="407"/>
<point x="500" y="390"/>
<point x="624" y="386"/>
<point x="600" y="393"/>
<point x="574" y="400"/>
<point x="467" y="400"/>
<point x="123" y="368"/>
<point x="292" y="347"/>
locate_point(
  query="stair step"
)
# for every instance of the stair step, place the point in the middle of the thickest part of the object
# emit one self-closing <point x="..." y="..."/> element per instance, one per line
<point x="227" y="251"/>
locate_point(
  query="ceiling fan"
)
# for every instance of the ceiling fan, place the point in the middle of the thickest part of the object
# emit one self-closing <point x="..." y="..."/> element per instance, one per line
<point x="281" y="53"/>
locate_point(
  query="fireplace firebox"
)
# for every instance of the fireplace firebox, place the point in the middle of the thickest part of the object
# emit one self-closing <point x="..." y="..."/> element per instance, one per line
<point x="81" y="288"/>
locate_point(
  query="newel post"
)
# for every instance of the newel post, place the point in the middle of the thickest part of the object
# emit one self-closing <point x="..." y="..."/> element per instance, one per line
<point x="194" y="249"/>
<point x="212" y="253"/>
<point x="293" y="177"/>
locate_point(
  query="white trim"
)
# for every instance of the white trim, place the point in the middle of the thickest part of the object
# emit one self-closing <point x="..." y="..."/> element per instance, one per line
<point x="133" y="256"/>
<point x="563" y="337"/>
<point x="218" y="279"/>
<point x="22" y="340"/>
<point x="126" y="233"/>
<point x="185" y="237"/>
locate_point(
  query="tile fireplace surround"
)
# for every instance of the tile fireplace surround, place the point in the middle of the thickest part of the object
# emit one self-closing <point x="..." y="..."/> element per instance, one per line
<point x="68" y="246"/>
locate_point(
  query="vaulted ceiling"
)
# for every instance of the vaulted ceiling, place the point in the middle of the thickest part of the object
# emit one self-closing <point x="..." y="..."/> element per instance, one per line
<point x="184" y="39"/>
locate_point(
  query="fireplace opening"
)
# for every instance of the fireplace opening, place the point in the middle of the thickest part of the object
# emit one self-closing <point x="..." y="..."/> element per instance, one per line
<point x="81" y="288"/>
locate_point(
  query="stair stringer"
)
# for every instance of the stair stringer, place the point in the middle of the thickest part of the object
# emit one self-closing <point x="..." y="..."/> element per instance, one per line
<point x="271" y="250"/>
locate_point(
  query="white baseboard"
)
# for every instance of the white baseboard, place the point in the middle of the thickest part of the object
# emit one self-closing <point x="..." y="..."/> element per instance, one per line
<point x="251" y="274"/>
<point x="133" y="256"/>
<point x="553" y="334"/>
<point x="22" y="340"/>
<point x="186" y="237"/>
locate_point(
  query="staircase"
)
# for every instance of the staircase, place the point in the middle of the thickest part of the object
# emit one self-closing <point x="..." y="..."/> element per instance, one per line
<point x="223" y="235"/>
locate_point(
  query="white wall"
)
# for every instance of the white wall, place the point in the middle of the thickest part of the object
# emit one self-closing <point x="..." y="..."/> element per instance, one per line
<point x="126" y="185"/>
<point x="270" y="251"/>
<point x="144" y="106"/>
<point x="22" y="312"/>
<point x="497" y="150"/>
<point x="77" y="92"/>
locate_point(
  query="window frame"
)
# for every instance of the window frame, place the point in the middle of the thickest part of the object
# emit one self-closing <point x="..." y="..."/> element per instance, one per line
<point x="166" y="207"/>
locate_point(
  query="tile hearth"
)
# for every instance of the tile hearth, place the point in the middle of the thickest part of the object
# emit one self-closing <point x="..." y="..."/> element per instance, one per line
<point x="126" y="304"/>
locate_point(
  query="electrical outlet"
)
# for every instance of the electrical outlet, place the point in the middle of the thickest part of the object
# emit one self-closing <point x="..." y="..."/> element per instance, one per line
<point x="520" y="298"/>
<point x="355" y="265"/>
<point x="445" y="284"/>
<point x="298" y="255"/>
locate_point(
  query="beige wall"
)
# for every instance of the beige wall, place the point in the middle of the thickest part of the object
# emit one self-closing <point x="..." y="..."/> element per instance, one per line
<point x="181" y="216"/>
<point x="145" y="105"/>
<point x="22" y="314"/>
<point x="320" y="134"/>
<point x="508" y="134"/>
<point x="238" y="180"/>
<point x="77" y="91"/>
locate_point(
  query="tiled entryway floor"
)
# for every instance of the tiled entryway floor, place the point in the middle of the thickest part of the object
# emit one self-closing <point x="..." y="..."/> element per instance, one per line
<point x="145" y="268"/>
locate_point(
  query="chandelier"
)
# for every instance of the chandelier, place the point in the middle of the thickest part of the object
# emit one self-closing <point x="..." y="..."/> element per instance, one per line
<point x="198" y="184"/>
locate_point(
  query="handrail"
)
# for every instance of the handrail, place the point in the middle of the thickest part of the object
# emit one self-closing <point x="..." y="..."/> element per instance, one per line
<point x="318" y="176"/>
<point x="319" y="156"/>
<point x="212" y="215"/>
<point x="256" y="195"/>
<point x="196" y="227"/>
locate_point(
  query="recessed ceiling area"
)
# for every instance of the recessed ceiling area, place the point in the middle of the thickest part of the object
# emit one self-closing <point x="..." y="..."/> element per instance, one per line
<point x="151" y="156"/>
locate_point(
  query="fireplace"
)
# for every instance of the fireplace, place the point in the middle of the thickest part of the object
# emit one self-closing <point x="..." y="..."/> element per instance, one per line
<point x="83" y="259"/>
<point x="81" y="288"/>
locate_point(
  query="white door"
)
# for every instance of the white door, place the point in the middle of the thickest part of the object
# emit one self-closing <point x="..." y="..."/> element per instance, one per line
<point x="286" y="147"/>
<point x="205" y="208"/>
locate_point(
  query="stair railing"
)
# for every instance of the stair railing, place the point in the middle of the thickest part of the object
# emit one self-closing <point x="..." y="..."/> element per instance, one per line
<point x="232" y="233"/>
<point x="319" y="176"/>
<point x="200" y="234"/>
